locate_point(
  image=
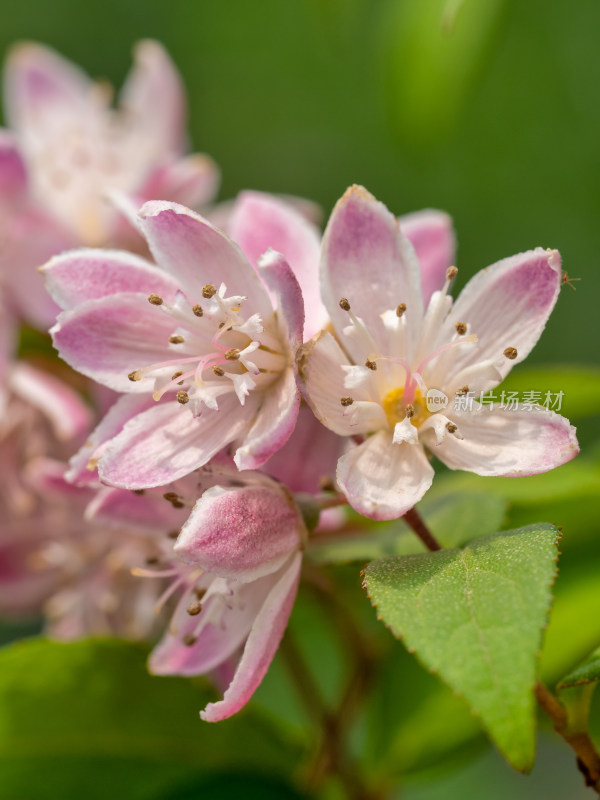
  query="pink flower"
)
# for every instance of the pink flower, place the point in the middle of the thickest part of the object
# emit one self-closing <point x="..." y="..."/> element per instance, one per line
<point x="394" y="351"/>
<point x="242" y="548"/>
<point x="196" y="340"/>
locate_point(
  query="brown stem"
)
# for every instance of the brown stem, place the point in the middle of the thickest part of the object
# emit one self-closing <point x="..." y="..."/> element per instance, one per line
<point x="588" y="759"/>
<point x="414" y="520"/>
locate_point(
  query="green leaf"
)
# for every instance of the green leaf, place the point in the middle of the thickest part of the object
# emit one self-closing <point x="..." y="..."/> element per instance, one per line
<point x="587" y="672"/>
<point x="87" y="718"/>
<point x="580" y="386"/>
<point x="476" y="617"/>
<point x="453" y="517"/>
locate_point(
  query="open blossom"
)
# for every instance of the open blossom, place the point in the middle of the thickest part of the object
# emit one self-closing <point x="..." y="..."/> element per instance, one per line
<point x="196" y="343"/>
<point x="240" y="554"/>
<point x="372" y="383"/>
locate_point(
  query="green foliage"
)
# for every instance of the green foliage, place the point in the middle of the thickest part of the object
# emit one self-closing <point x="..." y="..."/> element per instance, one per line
<point x="585" y="673"/>
<point x="476" y="616"/>
<point x="87" y="718"/>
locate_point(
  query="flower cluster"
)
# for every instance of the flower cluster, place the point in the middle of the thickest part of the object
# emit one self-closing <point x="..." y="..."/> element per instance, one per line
<point x="257" y="376"/>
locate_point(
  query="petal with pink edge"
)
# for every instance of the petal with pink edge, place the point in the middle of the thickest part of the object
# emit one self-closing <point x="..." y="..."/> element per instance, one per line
<point x="109" y="338"/>
<point x="192" y="181"/>
<point x="263" y="641"/>
<point x="383" y="480"/>
<point x="196" y="254"/>
<point x="366" y="260"/>
<point x="13" y="174"/>
<point x="432" y="235"/>
<point x="167" y="442"/>
<point x="88" y="274"/>
<point x="279" y="278"/>
<point x="503" y="441"/>
<point x="259" y="222"/>
<point x="148" y="513"/>
<point x="241" y="533"/>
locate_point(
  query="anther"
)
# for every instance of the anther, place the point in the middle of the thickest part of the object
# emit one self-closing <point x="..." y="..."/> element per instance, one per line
<point x="370" y="364"/>
<point x="451" y="427"/>
<point x="199" y="593"/>
<point x="155" y="299"/>
<point x="344" y="304"/>
<point x="410" y="411"/>
<point x="218" y="371"/>
<point x="451" y="273"/>
<point x="189" y="639"/>
<point x="176" y="339"/>
<point x="464" y="390"/>
<point x="135" y="375"/>
<point x="172" y="534"/>
<point x="176" y="375"/>
<point x="194" y="608"/>
<point x="197" y="310"/>
<point x="232" y="355"/>
<point x="174" y="499"/>
<point x="461" y="328"/>
<point x="346" y="401"/>
<point x="208" y="291"/>
<point x="152" y="561"/>
<point x="400" y="309"/>
<point x="183" y="397"/>
<point x="511" y="353"/>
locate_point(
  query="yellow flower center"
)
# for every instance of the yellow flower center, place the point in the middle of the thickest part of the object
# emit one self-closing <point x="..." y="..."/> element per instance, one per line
<point x="396" y="409"/>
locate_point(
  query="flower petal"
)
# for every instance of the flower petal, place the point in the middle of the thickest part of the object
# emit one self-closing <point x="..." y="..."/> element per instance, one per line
<point x="503" y="441"/>
<point x="431" y="234"/>
<point x="166" y="442"/>
<point x="196" y="254"/>
<point x="88" y="274"/>
<point x="279" y="278"/>
<point x="149" y="513"/>
<point x="364" y="257"/>
<point x="13" y="174"/>
<point x="243" y="533"/>
<point x="259" y="222"/>
<point x="263" y="641"/>
<point x="192" y="181"/>
<point x="108" y="338"/>
<point x="383" y="480"/>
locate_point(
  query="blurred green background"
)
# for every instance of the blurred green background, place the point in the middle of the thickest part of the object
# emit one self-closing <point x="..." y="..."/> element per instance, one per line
<point x="488" y="109"/>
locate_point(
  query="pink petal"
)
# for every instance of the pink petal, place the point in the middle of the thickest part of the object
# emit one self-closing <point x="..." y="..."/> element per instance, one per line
<point x="192" y="181"/>
<point x="383" y="480"/>
<point x="196" y="254"/>
<point x="274" y="423"/>
<point x="320" y="373"/>
<point x="259" y="222"/>
<point x="153" y="98"/>
<point x="63" y="407"/>
<point x="88" y="274"/>
<point x="503" y="441"/>
<point x="265" y="636"/>
<point x="145" y="513"/>
<point x="432" y="236"/>
<point x="506" y="306"/>
<point x="367" y="260"/>
<point x="241" y="533"/>
<point x="167" y="442"/>
<point x="108" y="338"/>
<point x="279" y="278"/>
<point x="13" y="174"/>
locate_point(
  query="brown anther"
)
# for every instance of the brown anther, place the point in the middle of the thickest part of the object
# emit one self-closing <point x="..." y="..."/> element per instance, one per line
<point x="370" y="364"/>
<point x="155" y="299"/>
<point x="218" y="371"/>
<point x="176" y="339"/>
<point x="189" y="639"/>
<point x="346" y="401"/>
<point x="461" y="328"/>
<point x="134" y="376"/>
<point x="451" y="427"/>
<point x="221" y="325"/>
<point x="172" y="534"/>
<point x="451" y="273"/>
<point x="400" y="309"/>
<point x="326" y="483"/>
<point x="139" y="491"/>
<point x="208" y="291"/>
<point x="199" y="593"/>
<point x="464" y="390"/>
<point x="410" y="411"/>
<point x="170" y="496"/>
<point x="183" y="397"/>
<point x="194" y="608"/>
<point x="197" y="310"/>
<point x="176" y="375"/>
<point x="344" y="304"/>
<point x="511" y="353"/>
<point x="233" y="354"/>
<point x="152" y="561"/>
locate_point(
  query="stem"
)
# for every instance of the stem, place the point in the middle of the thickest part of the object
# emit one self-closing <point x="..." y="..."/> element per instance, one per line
<point x="588" y="759"/>
<point x="415" y="521"/>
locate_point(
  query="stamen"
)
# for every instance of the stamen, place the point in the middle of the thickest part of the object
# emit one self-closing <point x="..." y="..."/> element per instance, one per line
<point x="511" y="353"/>
<point x="463" y="391"/>
<point x="466" y="340"/>
<point x="232" y="355"/>
<point x="194" y="608"/>
<point x="451" y="427"/>
<point x="183" y="397"/>
<point x="370" y="364"/>
<point x="155" y="300"/>
<point x="461" y="328"/>
<point x="344" y="304"/>
<point x="139" y="491"/>
<point x="189" y="639"/>
<point x="346" y="401"/>
<point x="410" y="411"/>
<point x="136" y="375"/>
<point x="176" y="339"/>
<point x="218" y="371"/>
<point x="400" y="309"/>
<point x="209" y="291"/>
<point x="174" y="499"/>
<point x="197" y="310"/>
<point x="176" y="375"/>
<point x="451" y="273"/>
<point x="173" y="534"/>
